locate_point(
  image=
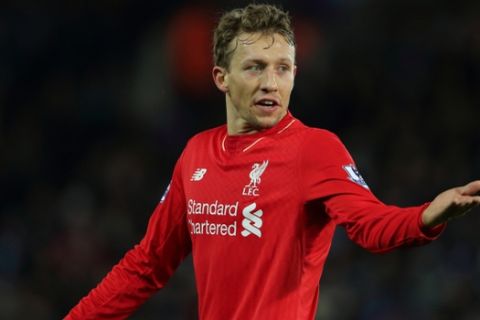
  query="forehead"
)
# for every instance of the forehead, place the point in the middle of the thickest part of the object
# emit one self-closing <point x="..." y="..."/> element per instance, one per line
<point x="257" y="46"/>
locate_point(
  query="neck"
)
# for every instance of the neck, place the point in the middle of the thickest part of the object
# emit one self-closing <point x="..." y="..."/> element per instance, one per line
<point x="236" y="124"/>
<point x="237" y="127"/>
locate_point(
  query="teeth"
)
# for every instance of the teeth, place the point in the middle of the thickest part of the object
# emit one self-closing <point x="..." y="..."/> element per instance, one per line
<point x="267" y="102"/>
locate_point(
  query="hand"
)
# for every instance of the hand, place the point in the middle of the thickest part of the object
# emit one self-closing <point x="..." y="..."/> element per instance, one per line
<point x="451" y="204"/>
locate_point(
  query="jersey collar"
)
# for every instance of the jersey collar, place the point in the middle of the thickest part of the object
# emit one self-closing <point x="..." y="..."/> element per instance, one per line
<point x="245" y="142"/>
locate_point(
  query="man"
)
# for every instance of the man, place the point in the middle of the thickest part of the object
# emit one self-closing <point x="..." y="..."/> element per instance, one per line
<point x="257" y="201"/>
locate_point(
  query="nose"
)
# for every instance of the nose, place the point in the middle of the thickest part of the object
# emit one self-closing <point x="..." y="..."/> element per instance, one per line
<point x="269" y="81"/>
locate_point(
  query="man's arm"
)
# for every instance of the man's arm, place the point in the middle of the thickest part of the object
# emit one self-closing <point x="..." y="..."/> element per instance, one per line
<point x="451" y="204"/>
<point x="147" y="267"/>
<point x="329" y="176"/>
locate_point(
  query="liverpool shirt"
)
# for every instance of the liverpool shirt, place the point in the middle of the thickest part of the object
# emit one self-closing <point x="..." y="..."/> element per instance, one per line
<point x="258" y="213"/>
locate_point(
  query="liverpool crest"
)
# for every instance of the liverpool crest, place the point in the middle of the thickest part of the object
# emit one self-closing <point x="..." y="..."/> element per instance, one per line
<point x="255" y="175"/>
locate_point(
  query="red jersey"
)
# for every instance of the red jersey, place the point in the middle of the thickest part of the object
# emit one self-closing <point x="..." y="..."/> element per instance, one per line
<point x="258" y="213"/>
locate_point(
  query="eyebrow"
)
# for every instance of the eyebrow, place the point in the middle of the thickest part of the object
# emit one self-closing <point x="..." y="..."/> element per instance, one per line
<point x="261" y="61"/>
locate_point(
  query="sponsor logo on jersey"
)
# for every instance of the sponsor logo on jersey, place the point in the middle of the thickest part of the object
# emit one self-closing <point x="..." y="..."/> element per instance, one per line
<point x="208" y="218"/>
<point x="255" y="175"/>
<point x="252" y="221"/>
<point x="354" y="175"/>
<point x="198" y="174"/>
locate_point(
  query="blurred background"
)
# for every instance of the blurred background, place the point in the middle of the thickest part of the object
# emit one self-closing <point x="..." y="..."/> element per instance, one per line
<point x="98" y="98"/>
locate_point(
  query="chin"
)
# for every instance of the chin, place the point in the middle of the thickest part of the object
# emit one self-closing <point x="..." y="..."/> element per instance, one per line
<point x="267" y="122"/>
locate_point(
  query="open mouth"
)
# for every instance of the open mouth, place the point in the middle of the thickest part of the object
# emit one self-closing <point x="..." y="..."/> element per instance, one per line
<point x="267" y="103"/>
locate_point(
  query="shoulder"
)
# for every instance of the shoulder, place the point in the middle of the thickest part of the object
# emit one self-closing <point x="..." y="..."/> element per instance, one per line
<point x="321" y="144"/>
<point x="314" y="140"/>
<point x="321" y="135"/>
<point x="199" y="145"/>
<point x="313" y="136"/>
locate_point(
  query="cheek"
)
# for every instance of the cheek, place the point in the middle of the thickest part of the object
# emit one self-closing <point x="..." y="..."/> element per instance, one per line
<point x="238" y="95"/>
<point x="243" y="86"/>
<point x="287" y="87"/>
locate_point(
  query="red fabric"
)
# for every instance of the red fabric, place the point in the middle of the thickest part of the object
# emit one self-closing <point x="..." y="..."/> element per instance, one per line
<point x="258" y="213"/>
<point x="146" y="268"/>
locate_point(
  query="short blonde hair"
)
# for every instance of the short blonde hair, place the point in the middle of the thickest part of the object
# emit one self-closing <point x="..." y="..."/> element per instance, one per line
<point x="254" y="18"/>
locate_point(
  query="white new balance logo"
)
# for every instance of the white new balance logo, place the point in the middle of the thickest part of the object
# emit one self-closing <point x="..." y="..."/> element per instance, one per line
<point x="252" y="222"/>
<point x="198" y="174"/>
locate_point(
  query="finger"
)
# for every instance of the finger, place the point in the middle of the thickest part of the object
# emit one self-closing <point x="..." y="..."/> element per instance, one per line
<point x="463" y="205"/>
<point x="465" y="199"/>
<point x="472" y="189"/>
<point x="469" y="207"/>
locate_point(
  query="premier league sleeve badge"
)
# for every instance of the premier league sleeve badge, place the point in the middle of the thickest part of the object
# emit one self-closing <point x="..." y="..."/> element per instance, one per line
<point x="354" y="175"/>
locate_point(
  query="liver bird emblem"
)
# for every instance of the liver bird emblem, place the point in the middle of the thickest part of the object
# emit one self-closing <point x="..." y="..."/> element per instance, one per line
<point x="256" y="173"/>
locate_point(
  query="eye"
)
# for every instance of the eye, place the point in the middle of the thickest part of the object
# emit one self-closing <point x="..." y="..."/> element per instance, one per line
<point x="253" y="67"/>
<point x="283" y="68"/>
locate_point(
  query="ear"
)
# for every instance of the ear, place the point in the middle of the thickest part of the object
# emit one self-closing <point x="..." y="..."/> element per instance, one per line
<point x="220" y="77"/>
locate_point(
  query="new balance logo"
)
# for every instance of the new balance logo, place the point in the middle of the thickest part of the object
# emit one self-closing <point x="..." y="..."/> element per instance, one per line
<point x="198" y="174"/>
<point x="252" y="221"/>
